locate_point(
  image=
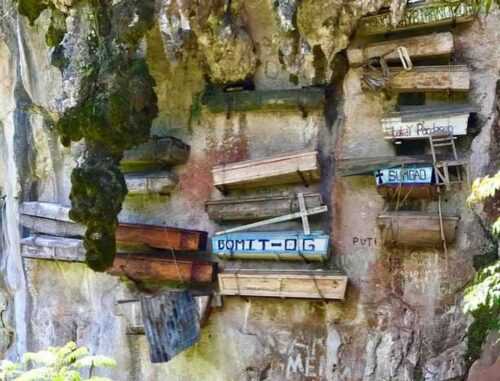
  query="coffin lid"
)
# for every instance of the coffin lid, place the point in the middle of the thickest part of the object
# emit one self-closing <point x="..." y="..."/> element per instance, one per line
<point x="303" y="272"/>
<point x="415" y="214"/>
<point x="414" y="113"/>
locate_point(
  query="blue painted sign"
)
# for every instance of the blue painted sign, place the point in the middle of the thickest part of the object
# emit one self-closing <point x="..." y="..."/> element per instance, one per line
<point x="271" y="245"/>
<point x="414" y="175"/>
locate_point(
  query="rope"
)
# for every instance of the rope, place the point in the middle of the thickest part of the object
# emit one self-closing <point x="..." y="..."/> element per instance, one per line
<point x="177" y="266"/>
<point x="441" y="226"/>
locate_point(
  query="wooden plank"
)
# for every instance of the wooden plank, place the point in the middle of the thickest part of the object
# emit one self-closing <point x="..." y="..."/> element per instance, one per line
<point x="52" y="227"/>
<point x="268" y="100"/>
<point x="150" y="183"/>
<point x="159" y="152"/>
<point x="409" y="192"/>
<point x="165" y="268"/>
<point x="162" y="237"/>
<point x="283" y="169"/>
<point x="430" y="79"/>
<point x="422" y="122"/>
<point x="415" y="229"/>
<point x="312" y="284"/>
<point x="255" y="208"/>
<point x="171" y="324"/>
<point x="53" y="248"/>
<point x="429" y="14"/>
<point x="366" y="166"/>
<point x="272" y="245"/>
<point x="430" y="45"/>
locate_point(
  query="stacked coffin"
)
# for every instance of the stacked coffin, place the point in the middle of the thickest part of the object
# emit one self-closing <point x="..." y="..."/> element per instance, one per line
<point x="240" y="243"/>
<point x="161" y="253"/>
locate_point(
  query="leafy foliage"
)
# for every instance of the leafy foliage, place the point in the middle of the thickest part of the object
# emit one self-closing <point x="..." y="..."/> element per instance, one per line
<point x="482" y="189"/>
<point x="55" y="364"/>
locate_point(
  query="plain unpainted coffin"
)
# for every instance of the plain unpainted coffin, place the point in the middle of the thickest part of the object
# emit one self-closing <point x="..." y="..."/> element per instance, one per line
<point x="150" y="183"/>
<point x="278" y="170"/>
<point x="309" y="284"/>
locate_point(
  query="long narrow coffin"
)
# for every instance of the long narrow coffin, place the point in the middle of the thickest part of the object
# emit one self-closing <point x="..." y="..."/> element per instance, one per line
<point x="420" y="122"/>
<point x="283" y="169"/>
<point x="163" y="268"/>
<point x="411" y="181"/>
<point x="53" y="248"/>
<point x="268" y="100"/>
<point x="255" y="208"/>
<point x="368" y="165"/>
<point x="428" y="14"/>
<point x="162" y="182"/>
<point x="430" y="79"/>
<point x="171" y="324"/>
<point x="159" y="152"/>
<point x="53" y="219"/>
<point x="431" y="45"/>
<point x="415" y="229"/>
<point x="311" y="284"/>
<point x="272" y="245"/>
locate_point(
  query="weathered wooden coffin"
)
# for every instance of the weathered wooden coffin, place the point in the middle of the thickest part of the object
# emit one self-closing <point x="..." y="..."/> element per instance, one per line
<point x="430" y="79"/>
<point x="171" y="323"/>
<point x="269" y="100"/>
<point x="283" y="169"/>
<point x="312" y="284"/>
<point x="162" y="183"/>
<point x="53" y="248"/>
<point x="428" y="14"/>
<point x="151" y="267"/>
<point x="162" y="237"/>
<point x="431" y="45"/>
<point x="262" y="207"/>
<point x="272" y="245"/>
<point x="368" y="165"/>
<point x="420" y="122"/>
<point x="415" y="229"/>
<point x="158" y="152"/>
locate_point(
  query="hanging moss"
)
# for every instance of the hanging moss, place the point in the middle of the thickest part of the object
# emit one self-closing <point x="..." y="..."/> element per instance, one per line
<point x="57" y="28"/>
<point x="31" y="8"/>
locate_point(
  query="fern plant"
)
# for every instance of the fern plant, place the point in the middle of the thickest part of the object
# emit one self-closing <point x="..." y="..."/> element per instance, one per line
<point x="55" y="364"/>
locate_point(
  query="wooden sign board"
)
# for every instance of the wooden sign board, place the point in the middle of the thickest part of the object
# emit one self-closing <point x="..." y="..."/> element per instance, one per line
<point x="415" y="229"/>
<point x="171" y="324"/>
<point x="255" y="208"/>
<point x="428" y="14"/>
<point x="150" y="183"/>
<point x="283" y="169"/>
<point x="159" y="152"/>
<point x="429" y="45"/>
<point x="53" y="248"/>
<point x="430" y="79"/>
<point x="272" y="245"/>
<point x="411" y="175"/>
<point x="420" y="122"/>
<point x="309" y="284"/>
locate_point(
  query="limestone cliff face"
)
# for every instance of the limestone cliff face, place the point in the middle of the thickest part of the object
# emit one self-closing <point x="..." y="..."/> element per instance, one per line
<point x="402" y="317"/>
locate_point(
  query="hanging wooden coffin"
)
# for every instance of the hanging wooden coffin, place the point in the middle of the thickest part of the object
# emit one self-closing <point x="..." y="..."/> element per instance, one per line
<point x="159" y="152"/>
<point x="171" y="324"/>
<point x="413" y="181"/>
<point x="420" y="122"/>
<point x="255" y="208"/>
<point x="53" y="248"/>
<point x="283" y="169"/>
<point x="430" y="78"/>
<point x="162" y="268"/>
<point x="272" y="245"/>
<point x="313" y="284"/>
<point x="269" y="100"/>
<point x="162" y="237"/>
<point x="430" y="45"/>
<point x="415" y="229"/>
<point x="162" y="183"/>
<point x="48" y="218"/>
<point x="428" y="14"/>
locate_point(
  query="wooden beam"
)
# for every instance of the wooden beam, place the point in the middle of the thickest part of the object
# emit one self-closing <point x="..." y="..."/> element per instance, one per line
<point x="429" y="14"/>
<point x="430" y="79"/>
<point x="159" y="152"/>
<point x="164" y="268"/>
<point x="415" y="229"/>
<point x="150" y="183"/>
<point x="267" y="100"/>
<point x="282" y="169"/>
<point x="430" y="45"/>
<point x="53" y="248"/>
<point x="310" y="284"/>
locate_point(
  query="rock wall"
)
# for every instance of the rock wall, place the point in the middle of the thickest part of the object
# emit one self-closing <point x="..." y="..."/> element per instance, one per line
<point x="402" y="317"/>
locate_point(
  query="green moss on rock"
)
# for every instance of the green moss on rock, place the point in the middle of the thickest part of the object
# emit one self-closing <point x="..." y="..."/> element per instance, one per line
<point x="31" y="8"/>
